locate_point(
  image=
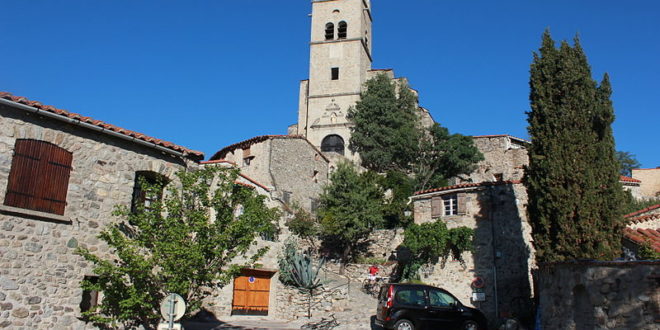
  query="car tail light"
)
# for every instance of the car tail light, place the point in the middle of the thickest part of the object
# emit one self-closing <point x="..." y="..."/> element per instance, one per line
<point x="388" y="304"/>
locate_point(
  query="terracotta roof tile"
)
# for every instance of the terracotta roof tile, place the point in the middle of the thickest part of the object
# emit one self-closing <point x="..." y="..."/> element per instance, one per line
<point x="244" y="144"/>
<point x="253" y="181"/>
<point x="193" y="154"/>
<point x="628" y="179"/>
<point x="643" y="218"/>
<point x="467" y="185"/>
<point x="641" y="236"/>
<point x="650" y="208"/>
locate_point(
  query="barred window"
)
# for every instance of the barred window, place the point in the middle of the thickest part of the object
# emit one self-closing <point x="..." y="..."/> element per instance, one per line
<point x="329" y="31"/>
<point x="39" y="177"/>
<point x="342" y="29"/>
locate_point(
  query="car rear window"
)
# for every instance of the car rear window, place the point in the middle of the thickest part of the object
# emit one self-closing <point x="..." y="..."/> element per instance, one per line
<point x="410" y="296"/>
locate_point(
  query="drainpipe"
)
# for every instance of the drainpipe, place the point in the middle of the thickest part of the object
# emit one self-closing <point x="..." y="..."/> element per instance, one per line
<point x="492" y="232"/>
<point x="103" y="130"/>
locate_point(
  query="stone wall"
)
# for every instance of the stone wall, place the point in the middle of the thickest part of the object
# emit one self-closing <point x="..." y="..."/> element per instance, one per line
<point x="599" y="295"/>
<point x="503" y="155"/>
<point x="40" y="274"/>
<point x="650" y="177"/>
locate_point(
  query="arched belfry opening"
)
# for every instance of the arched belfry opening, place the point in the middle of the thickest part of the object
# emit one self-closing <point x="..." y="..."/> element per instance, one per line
<point x="342" y="30"/>
<point x="329" y="31"/>
<point x="333" y="143"/>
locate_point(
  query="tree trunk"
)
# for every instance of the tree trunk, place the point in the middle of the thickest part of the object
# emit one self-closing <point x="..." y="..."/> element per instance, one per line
<point x="344" y="259"/>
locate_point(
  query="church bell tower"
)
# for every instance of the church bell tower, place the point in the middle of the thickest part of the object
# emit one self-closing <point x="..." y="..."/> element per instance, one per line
<point x="340" y="62"/>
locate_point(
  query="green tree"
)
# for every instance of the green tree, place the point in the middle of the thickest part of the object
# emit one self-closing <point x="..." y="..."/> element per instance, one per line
<point x="443" y="156"/>
<point x="350" y="208"/>
<point x="386" y="126"/>
<point x="432" y="241"/>
<point x="575" y="198"/>
<point x="627" y="162"/>
<point x="189" y="243"/>
<point x="304" y="224"/>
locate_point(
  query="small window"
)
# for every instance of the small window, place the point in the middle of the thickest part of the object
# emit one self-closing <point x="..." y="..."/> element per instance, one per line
<point x="39" y="177"/>
<point x="450" y="203"/>
<point x="499" y="177"/>
<point x="314" y="205"/>
<point x="410" y="296"/>
<point x="439" y="298"/>
<point x="334" y="74"/>
<point x="329" y="31"/>
<point x="90" y="298"/>
<point x="342" y="30"/>
<point x="286" y="197"/>
<point x="147" y="190"/>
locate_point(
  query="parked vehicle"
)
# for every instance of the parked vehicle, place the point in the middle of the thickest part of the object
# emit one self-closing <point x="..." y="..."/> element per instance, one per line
<point x="416" y="307"/>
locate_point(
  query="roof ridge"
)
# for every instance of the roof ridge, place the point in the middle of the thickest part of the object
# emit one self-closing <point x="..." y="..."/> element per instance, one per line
<point x="646" y="209"/>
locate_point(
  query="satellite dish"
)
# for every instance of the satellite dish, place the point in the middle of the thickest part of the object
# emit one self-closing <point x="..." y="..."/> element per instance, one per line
<point x="172" y="307"/>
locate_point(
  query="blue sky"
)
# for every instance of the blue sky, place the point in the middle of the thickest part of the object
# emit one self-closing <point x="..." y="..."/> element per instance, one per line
<point x="206" y="74"/>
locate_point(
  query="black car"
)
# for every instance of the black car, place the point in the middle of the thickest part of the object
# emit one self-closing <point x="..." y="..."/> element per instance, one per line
<point x="416" y="306"/>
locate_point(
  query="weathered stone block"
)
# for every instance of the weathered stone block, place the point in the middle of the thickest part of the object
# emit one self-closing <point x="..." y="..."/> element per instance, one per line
<point x="20" y="313"/>
<point x="7" y="284"/>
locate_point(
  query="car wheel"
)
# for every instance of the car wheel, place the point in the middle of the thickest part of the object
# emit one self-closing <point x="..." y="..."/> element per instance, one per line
<point x="404" y="325"/>
<point x="470" y="325"/>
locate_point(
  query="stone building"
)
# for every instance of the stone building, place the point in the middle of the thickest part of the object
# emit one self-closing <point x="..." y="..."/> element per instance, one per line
<point x="633" y="185"/>
<point x="292" y="169"/>
<point x="491" y="201"/>
<point x="61" y="174"/>
<point x="339" y="65"/>
<point x="650" y="181"/>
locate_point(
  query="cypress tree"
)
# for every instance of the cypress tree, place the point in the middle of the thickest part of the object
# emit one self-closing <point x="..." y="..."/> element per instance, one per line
<point x="575" y="197"/>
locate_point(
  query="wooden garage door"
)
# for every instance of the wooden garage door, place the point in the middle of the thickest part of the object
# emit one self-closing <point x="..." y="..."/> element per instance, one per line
<point x="251" y="293"/>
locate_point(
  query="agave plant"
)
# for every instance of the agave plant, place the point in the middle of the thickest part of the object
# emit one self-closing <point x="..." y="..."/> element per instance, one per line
<point x="300" y="270"/>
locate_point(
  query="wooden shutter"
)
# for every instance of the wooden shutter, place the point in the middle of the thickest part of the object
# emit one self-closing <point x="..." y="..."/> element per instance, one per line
<point x="39" y="177"/>
<point x="461" y="200"/>
<point x="437" y="206"/>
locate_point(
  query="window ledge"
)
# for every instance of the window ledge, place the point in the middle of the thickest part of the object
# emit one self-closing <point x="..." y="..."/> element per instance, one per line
<point x="34" y="214"/>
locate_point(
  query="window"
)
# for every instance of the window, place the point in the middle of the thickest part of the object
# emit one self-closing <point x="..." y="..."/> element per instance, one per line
<point x="247" y="156"/>
<point x="39" y="177"/>
<point x="286" y="197"/>
<point x="439" y="298"/>
<point x="334" y="74"/>
<point x="341" y="30"/>
<point x="410" y="297"/>
<point x="450" y="203"/>
<point x="333" y="143"/>
<point x="148" y="189"/>
<point x="498" y="177"/>
<point x="90" y="298"/>
<point x="329" y="31"/>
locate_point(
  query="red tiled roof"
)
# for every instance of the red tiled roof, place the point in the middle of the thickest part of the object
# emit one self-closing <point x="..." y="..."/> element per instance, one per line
<point x="650" y="208"/>
<point x="643" y="218"/>
<point x="253" y="181"/>
<point x="467" y="185"/>
<point x="244" y="144"/>
<point x="219" y="161"/>
<point x="641" y="236"/>
<point x="244" y="184"/>
<point x="499" y="135"/>
<point x="193" y="154"/>
<point x="628" y="179"/>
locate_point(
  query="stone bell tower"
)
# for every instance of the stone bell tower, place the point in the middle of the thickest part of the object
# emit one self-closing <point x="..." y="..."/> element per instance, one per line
<point x="340" y="63"/>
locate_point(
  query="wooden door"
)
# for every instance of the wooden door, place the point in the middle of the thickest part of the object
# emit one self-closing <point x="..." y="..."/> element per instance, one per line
<point x="251" y="293"/>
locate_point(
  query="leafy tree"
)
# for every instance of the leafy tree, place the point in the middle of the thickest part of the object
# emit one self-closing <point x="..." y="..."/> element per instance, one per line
<point x="304" y="225"/>
<point x="443" y="156"/>
<point x="575" y="198"/>
<point x="350" y="208"/>
<point x="632" y="204"/>
<point x="432" y="241"/>
<point x="627" y="162"/>
<point x="386" y="131"/>
<point x="189" y="243"/>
